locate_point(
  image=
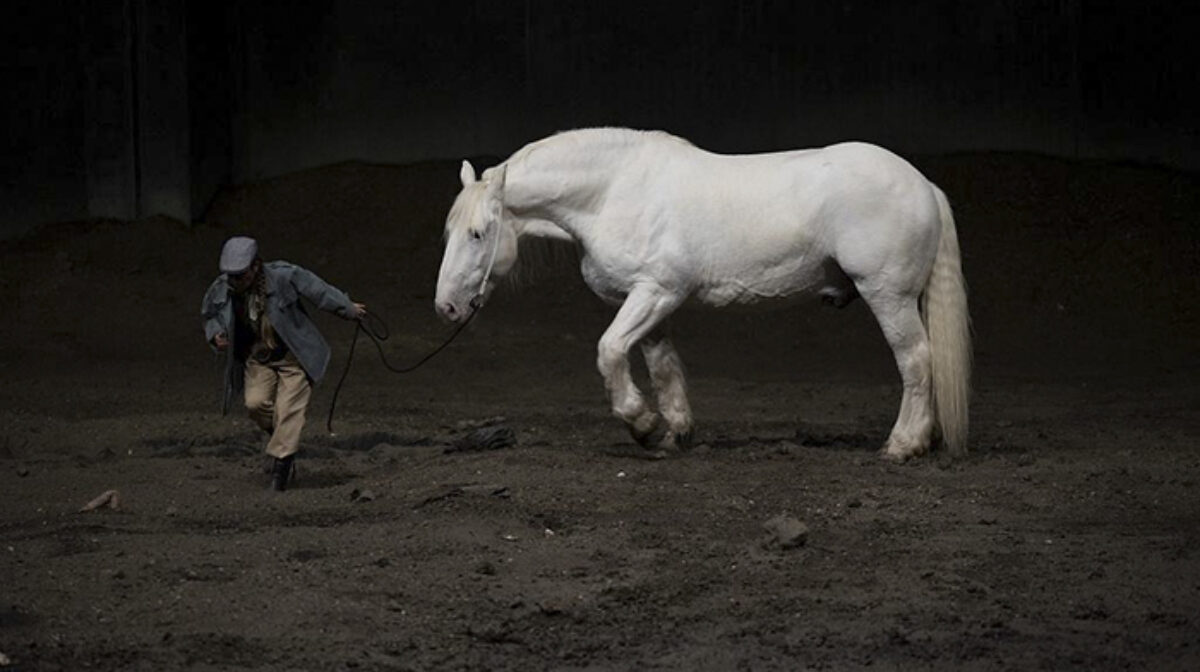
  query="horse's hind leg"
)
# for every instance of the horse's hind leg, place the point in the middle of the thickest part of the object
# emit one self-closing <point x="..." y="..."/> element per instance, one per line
<point x="644" y="309"/>
<point x="900" y="319"/>
<point x="666" y="373"/>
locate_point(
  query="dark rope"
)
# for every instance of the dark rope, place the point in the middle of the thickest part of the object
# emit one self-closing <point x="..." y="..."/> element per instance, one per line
<point x="377" y="330"/>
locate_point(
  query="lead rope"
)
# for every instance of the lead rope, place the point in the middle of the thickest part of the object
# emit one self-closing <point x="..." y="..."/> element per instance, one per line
<point x="377" y="330"/>
<point x="381" y="333"/>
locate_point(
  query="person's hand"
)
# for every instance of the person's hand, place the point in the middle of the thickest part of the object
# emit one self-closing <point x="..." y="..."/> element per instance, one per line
<point x="360" y="309"/>
<point x="220" y="342"/>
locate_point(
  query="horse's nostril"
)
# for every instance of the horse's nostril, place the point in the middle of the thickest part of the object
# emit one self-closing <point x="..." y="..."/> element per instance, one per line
<point x="448" y="310"/>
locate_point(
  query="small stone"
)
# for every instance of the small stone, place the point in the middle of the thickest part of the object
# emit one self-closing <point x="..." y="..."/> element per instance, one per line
<point x="109" y="499"/>
<point x="1025" y="459"/>
<point x="22" y="471"/>
<point x="364" y="495"/>
<point x="786" y="532"/>
<point x="487" y="489"/>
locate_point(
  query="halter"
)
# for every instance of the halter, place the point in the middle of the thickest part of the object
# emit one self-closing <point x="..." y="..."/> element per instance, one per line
<point x="477" y="300"/>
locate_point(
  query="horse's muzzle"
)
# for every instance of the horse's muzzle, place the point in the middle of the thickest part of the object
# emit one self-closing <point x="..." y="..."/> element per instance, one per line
<point x="448" y="311"/>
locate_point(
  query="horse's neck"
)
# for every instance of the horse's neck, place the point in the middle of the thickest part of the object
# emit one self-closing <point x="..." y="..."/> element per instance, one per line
<point x="561" y="184"/>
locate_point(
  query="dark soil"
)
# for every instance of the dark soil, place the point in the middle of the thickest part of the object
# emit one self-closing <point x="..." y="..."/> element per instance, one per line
<point x="1069" y="538"/>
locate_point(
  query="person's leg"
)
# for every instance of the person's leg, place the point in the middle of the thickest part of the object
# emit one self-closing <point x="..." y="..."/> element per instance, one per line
<point x="260" y="383"/>
<point x="291" y="404"/>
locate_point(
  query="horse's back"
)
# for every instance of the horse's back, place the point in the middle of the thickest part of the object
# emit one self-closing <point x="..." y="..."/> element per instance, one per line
<point x="855" y="203"/>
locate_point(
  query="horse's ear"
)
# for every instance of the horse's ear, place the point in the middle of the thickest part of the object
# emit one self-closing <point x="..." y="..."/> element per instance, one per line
<point x="467" y="173"/>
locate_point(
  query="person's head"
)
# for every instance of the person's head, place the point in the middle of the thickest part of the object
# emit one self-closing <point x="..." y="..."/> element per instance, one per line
<point x="240" y="262"/>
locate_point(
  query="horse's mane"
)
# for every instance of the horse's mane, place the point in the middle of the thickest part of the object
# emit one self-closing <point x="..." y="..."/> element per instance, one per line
<point x="542" y="259"/>
<point x="537" y="258"/>
<point x="464" y="206"/>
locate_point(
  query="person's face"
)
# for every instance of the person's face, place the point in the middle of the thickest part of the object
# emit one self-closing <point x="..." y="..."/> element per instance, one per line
<point x="240" y="282"/>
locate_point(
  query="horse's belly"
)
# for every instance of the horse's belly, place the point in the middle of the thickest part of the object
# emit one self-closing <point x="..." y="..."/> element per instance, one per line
<point x="734" y="295"/>
<point x="770" y="287"/>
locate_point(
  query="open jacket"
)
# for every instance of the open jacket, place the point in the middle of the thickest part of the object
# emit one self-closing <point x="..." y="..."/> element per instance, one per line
<point x="285" y="284"/>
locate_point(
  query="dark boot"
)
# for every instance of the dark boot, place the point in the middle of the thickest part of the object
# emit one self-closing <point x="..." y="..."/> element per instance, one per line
<point x="281" y="471"/>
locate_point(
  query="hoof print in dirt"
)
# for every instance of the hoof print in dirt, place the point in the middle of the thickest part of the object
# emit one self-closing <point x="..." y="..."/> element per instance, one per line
<point x="785" y="532"/>
<point x="494" y="437"/>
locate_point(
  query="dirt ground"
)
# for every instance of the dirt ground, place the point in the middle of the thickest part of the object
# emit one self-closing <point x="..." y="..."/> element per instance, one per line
<point x="1069" y="538"/>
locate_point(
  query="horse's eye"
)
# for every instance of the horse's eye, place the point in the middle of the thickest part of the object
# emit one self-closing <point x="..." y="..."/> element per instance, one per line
<point x="476" y="234"/>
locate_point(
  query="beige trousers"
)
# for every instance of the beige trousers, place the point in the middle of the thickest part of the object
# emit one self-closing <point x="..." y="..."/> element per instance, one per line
<point x="277" y="397"/>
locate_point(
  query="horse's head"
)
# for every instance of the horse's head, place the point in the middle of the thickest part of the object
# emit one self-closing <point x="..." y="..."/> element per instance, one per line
<point x="480" y="244"/>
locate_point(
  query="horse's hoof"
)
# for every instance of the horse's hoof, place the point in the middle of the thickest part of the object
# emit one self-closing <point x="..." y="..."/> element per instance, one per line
<point x="673" y="441"/>
<point x="652" y="437"/>
<point x="900" y="455"/>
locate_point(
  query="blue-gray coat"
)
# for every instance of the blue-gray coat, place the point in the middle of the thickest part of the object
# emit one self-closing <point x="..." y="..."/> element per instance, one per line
<point x="285" y="284"/>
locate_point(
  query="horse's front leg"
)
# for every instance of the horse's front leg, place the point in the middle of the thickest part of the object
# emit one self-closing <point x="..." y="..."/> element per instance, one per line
<point x="644" y="308"/>
<point x="666" y="372"/>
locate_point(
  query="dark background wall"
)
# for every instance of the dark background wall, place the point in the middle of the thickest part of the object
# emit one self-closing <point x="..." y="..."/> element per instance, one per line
<point x="131" y="108"/>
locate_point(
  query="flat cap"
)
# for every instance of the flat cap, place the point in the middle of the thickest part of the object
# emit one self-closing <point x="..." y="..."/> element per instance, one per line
<point x="237" y="254"/>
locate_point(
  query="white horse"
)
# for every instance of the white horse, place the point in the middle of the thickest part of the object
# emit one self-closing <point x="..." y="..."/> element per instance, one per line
<point x="660" y="223"/>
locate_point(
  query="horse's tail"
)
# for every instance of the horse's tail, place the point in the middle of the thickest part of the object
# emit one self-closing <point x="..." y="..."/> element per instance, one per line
<point x="944" y="309"/>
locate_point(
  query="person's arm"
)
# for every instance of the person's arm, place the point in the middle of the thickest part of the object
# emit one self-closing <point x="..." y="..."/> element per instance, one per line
<point x="210" y="311"/>
<point x="326" y="296"/>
